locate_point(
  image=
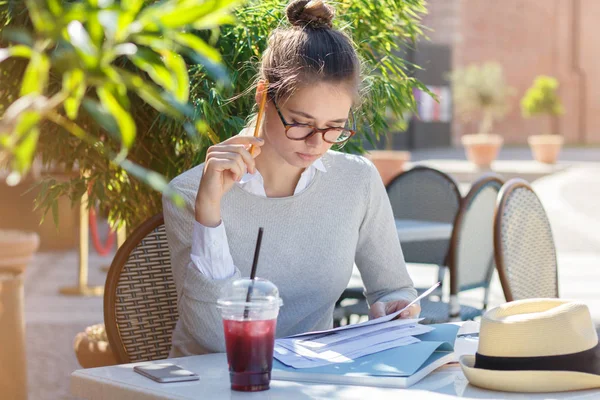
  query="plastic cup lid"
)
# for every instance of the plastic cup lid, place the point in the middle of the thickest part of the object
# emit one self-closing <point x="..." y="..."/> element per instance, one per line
<point x="263" y="293"/>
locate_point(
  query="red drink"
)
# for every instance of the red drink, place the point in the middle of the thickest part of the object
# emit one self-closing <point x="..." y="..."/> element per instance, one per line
<point x="250" y="353"/>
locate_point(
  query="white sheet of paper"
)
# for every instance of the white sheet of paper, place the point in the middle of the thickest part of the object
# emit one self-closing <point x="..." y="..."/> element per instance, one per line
<point x="345" y="344"/>
<point x="349" y="345"/>
<point x="349" y="342"/>
<point x="375" y="321"/>
<point x="294" y="352"/>
<point x="329" y="338"/>
<point x="299" y="361"/>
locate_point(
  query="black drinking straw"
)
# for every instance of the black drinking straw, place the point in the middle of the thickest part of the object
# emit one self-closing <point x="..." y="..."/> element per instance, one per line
<point x="253" y="272"/>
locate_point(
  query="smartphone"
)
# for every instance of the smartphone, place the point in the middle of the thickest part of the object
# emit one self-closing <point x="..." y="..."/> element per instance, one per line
<point x="165" y="372"/>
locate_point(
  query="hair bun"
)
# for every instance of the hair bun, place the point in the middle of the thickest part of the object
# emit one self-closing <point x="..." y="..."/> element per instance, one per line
<point x="310" y="13"/>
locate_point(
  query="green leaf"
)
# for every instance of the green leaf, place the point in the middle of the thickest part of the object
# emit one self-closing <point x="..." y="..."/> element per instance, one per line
<point x="109" y="19"/>
<point x="26" y="149"/>
<point x="27" y="121"/>
<point x="15" y="51"/>
<point x="182" y="13"/>
<point x="203" y="54"/>
<point x="117" y="85"/>
<point x="95" y="29"/>
<point x="152" y="179"/>
<point x="162" y="102"/>
<point x="197" y="45"/>
<point x="82" y="42"/>
<point x="133" y="6"/>
<point x="40" y="17"/>
<point x="36" y="75"/>
<point x="215" y="70"/>
<point x="55" y="7"/>
<point x="105" y="3"/>
<point x="125" y="49"/>
<point x="214" y="20"/>
<point x="18" y="35"/>
<point x="122" y="116"/>
<point x="102" y="117"/>
<point x="75" y="12"/>
<point x="74" y="84"/>
<point x="55" y="212"/>
<point x="178" y="68"/>
<point x="150" y="62"/>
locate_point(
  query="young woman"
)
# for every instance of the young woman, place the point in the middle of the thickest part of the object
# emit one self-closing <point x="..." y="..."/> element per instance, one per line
<point x="322" y="210"/>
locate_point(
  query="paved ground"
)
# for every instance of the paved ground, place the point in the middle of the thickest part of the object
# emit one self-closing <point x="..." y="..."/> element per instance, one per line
<point x="508" y="153"/>
<point x="53" y="320"/>
<point x="570" y="198"/>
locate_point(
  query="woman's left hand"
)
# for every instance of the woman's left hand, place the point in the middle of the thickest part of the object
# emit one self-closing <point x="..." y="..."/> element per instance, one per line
<point x="381" y="309"/>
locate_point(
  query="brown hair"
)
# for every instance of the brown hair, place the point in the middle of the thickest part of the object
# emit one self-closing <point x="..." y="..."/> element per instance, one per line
<point x="309" y="51"/>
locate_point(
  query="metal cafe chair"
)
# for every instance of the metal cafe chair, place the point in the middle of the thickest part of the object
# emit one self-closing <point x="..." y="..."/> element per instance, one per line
<point x="471" y="259"/>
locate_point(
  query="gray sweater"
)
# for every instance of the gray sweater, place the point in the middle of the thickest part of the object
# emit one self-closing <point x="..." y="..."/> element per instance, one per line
<point x="310" y="244"/>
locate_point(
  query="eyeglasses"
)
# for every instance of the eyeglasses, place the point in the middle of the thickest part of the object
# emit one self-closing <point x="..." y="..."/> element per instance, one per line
<point x="333" y="135"/>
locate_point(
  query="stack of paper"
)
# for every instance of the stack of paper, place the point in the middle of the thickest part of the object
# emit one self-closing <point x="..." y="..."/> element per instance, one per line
<point x="397" y="367"/>
<point x="347" y="343"/>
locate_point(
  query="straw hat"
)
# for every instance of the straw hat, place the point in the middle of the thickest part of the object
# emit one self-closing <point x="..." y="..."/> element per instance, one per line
<point x="536" y="345"/>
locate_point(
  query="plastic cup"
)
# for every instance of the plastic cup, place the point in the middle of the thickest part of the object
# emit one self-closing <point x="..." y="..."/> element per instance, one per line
<point x="249" y="328"/>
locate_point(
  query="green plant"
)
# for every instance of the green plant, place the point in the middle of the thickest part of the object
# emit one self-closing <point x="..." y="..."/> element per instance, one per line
<point x="98" y="50"/>
<point x="480" y="92"/>
<point x="379" y="28"/>
<point x="394" y="126"/>
<point x="542" y="99"/>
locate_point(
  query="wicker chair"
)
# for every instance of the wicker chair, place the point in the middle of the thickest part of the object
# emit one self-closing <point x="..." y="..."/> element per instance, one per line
<point x="471" y="259"/>
<point x="524" y="247"/>
<point x="421" y="193"/>
<point x="140" y="300"/>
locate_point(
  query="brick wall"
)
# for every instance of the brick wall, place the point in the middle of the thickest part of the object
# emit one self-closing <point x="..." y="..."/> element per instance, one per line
<point x="442" y="21"/>
<point x="529" y="37"/>
<point x="532" y="37"/>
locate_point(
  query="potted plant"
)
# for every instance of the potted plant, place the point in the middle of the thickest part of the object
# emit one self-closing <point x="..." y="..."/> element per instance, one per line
<point x="541" y="99"/>
<point x="480" y="92"/>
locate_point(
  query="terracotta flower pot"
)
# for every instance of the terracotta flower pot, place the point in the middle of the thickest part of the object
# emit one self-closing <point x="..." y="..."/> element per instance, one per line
<point x="545" y="148"/>
<point x="482" y="149"/>
<point x="92" y="348"/>
<point x="389" y="163"/>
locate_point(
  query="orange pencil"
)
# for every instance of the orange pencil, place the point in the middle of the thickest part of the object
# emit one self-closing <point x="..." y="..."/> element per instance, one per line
<point x="261" y="110"/>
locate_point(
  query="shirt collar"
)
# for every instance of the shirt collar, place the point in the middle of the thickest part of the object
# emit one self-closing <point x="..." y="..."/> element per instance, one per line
<point x="317" y="164"/>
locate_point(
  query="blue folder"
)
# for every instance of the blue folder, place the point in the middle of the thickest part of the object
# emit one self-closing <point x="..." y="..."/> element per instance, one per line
<point x="397" y="367"/>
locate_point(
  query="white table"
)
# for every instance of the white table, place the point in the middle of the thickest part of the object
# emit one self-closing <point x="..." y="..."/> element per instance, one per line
<point x="120" y="382"/>
<point x="410" y="230"/>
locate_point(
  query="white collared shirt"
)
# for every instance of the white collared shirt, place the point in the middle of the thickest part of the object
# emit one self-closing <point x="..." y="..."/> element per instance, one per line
<point x="210" y="248"/>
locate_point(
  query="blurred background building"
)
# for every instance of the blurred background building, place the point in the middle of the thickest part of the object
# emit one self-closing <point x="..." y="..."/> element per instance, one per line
<point x="528" y="38"/>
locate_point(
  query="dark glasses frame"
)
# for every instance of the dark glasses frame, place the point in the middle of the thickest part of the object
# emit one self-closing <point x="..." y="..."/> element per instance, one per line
<point x="287" y="126"/>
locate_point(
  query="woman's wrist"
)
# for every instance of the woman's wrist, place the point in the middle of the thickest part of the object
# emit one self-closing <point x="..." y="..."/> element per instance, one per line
<point x="208" y="215"/>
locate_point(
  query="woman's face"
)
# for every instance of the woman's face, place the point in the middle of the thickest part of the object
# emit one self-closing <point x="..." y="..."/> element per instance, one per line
<point x="321" y="105"/>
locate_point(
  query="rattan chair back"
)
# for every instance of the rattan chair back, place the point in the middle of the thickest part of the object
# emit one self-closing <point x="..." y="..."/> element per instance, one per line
<point x="140" y="299"/>
<point x="524" y="246"/>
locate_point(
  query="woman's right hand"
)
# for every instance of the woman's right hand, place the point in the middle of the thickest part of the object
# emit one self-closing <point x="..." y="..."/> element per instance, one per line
<point x="226" y="163"/>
